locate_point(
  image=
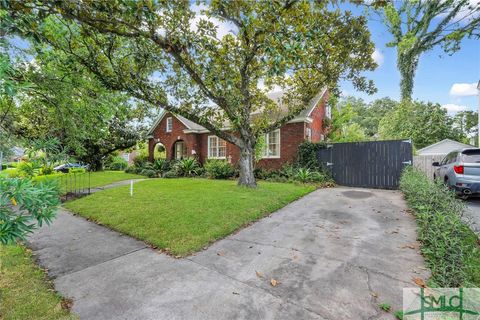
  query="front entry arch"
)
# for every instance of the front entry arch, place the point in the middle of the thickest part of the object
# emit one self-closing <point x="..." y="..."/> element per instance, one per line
<point x="179" y="150"/>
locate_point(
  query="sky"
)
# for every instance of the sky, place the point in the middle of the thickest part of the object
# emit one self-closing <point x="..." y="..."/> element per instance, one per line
<point x="448" y="80"/>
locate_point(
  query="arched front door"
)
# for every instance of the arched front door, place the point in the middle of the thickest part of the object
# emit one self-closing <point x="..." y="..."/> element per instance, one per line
<point x="180" y="150"/>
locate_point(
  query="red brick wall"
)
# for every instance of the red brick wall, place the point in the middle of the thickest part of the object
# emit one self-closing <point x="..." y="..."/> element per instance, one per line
<point x="169" y="138"/>
<point x="291" y="135"/>
<point x="318" y="115"/>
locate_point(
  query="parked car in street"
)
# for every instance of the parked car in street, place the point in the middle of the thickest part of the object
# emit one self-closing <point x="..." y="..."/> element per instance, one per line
<point x="460" y="170"/>
<point x="65" y="168"/>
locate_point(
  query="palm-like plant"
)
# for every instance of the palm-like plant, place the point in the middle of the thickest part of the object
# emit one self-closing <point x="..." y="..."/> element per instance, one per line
<point x="187" y="167"/>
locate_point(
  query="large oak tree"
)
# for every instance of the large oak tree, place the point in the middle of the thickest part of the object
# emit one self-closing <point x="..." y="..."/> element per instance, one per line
<point x="170" y="55"/>
<point x="421" y="25"/>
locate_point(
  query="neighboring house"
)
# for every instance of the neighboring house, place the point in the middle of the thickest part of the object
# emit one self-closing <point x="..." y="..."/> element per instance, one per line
<point x="183" y="138"/>
<point x="129" y="156"/>
<point x="442" y="148"/>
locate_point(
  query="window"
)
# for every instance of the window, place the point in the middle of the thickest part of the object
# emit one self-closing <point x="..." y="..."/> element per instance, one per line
<point x="217" y="148"/>
<point x="169" y="124"/>
<point x="309" y="134"/>
<point x="471" y="156"/>
<point x="272" y="145"/>
<point x="328" y="111"/>
<point x="180" y="150"/>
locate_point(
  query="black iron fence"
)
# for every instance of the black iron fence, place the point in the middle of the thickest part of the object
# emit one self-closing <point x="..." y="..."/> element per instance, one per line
<point x="74" y="184"/>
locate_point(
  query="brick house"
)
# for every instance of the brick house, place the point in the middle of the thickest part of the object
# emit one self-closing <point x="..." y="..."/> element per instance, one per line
<point x="183" y="138"/>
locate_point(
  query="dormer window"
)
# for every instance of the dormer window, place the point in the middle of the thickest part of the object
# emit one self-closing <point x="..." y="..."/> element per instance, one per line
<point x="169" y="124"/>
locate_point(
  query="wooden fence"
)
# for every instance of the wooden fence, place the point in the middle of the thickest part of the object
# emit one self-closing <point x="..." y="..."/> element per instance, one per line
<point x="424" y="163"/>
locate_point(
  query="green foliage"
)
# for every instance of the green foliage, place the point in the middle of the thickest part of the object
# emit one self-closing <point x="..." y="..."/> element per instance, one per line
<point x="343" y="129"/>
<point x="398" y="315"/>
<point x="118" y="164"/>
<point x="28" y="169"/>
<point x="385" y="307"/>
<point x="219" y="169"/>
<point x="170" y="175"/>
<point x="37" y="203"/>
<point x="307" y="156"/>
<point x="162" y="165"/>
<point x="150" y="173"/>
<point x="424" y="123"/>
<point x="448" y="245"/>
<point x="187" y="167"/>
<point x="419" y="26"/>
<point x="290" y="173"/>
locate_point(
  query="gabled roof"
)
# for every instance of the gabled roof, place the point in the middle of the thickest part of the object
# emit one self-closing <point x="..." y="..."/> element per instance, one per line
<point x="443" y="147"/>
<point x="275" y="96"/>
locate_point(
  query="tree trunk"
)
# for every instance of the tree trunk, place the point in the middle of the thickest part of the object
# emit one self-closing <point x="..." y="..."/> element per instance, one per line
<point x="246" y="164"/>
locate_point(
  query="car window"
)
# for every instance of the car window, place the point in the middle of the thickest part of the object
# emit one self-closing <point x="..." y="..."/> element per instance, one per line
<point x="471" y="156"/>
<point x="452" y="157"/>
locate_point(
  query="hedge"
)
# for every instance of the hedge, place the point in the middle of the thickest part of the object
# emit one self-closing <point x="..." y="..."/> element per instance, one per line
<point x="307" y="156"/>
<point x="450" y="248"/>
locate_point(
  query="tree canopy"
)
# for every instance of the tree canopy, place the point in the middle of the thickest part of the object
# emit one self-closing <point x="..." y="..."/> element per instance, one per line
<point x="418" y="26"/>
<point x="172" y="56"/>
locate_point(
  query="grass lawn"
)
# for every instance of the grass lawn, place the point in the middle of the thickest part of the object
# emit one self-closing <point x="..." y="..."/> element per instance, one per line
<point x="24" y="291"/>
<point x="183" y="215"/>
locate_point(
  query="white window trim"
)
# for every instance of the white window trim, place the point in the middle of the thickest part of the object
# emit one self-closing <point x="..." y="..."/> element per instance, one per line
<point x="218" y="149"/>
<point x="279" y="145"/>
<point x="169" y="125"/>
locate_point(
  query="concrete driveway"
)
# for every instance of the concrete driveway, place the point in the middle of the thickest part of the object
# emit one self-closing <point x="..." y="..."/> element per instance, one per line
<point x="334" y="254"/>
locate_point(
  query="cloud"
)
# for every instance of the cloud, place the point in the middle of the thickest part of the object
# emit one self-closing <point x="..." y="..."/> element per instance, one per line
<point x="454" y="108"/>
<point x="464" y="89"/>
<point x="377" y="56"/>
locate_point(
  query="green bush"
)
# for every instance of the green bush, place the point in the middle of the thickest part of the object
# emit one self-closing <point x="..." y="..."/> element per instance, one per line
<point x="219" y="169"/>
<point x="187" y="167"/>
<point x="307" y="155"/>
<point x="118" y="164"/>
<point x="49" y="177"/>
<point x="37" y="203"/>
<point x="450" y="248"/>
<point x="162" y="165"/>
<point x="28" y="169"/>
<point x="170" y="174"/>
<point x="77" y="170"/>
<point x="140" y="160"/>
<point x="150" y="173"/>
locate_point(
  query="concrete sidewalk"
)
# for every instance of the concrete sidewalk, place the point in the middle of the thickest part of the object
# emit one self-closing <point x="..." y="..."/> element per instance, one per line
<point x="335" y="254"/>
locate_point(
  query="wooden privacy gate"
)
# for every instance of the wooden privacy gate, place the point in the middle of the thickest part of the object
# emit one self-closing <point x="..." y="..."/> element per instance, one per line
<point x="372" y="164"/>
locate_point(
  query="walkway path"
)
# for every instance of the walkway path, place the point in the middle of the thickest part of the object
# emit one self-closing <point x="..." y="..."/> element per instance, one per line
<point x="335" y="254"/>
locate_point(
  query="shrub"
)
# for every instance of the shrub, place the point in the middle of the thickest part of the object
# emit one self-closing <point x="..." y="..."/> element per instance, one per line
<point x="449" y="246"/>
<point x="307" y="155"/>
<point x="187" y="167"/>
<point x="77" y="170"/>
<point x="133" y="169"/>
<point x="150" y="173"/>
<point x="118" y="163"/>
<point x="162" y="165"/>
<point x="219" y="169"/>
<point x="140" y="160"/>
<point x="37" y="203"/>
<point x="28" y="169"/>
<point x="170" y="174"/>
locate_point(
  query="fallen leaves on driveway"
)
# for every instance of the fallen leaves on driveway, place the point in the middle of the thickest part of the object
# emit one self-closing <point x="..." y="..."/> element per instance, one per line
<point x="274" y="282"/>
<point x="259" y="274"/>
<point x="419" y="282"/>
